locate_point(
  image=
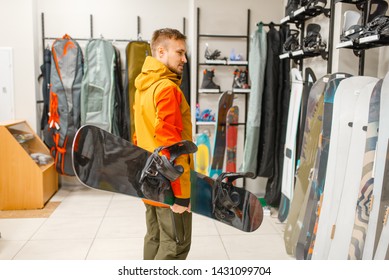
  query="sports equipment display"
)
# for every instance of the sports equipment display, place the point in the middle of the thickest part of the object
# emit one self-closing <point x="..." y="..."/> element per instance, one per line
<point x="203" y="154"/>
<point x="289" y="164"/>
<point x="106" y="162"/>
<point x="341" y="132"/>
<point x="366" y="184"/>
<point x="219" y="146"/>
<point x="232" y="138"/>
<point x="312" y="130"/>
<point x="379" y="200"/>
<point x="317" y="176"/>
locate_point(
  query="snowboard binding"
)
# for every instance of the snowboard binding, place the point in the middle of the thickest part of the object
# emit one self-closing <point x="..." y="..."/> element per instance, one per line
<point x="312" y="41"/>
<point x="159" y="171"/>
<point x="314" y="6"/>
<point x="225" y="201"/>
<point x="378" y="22"/>
<point x="291" y="6"/>
<point x="292" y="42"/>
<point x="351" y="26"/>
<point x="211" y="55"/>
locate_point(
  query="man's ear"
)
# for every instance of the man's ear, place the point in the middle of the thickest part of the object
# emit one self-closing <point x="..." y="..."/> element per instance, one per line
<point x="160" y="51"/>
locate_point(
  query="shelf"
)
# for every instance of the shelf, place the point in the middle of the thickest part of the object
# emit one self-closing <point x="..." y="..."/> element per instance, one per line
<point x="223" y="36"/>
<point x="212" y="91"/>
<point x="350" y="1"/>
<point x="300" y="54"/>
<point x="365" y="43"/>
<point x="241" y="90"/>
<point x="303" y="14"/>
<point x="223" y="62"/>
<point x="205" y="123"/>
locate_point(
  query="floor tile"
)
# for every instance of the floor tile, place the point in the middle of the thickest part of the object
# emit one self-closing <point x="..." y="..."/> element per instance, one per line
<point x="255" y="247"/>
<point x="125" y="208"/>
<point x="116" y="249"/>
<point x="202" y="226"/>
<point x="122" y="227"/>
<point x="207" y="248"/>
<point x="86" y="208"/>
<point x="68" y="228"/>
<point x="55" y="250"/>
<point x="9" y="248"/>
<point x="19" y="229"/>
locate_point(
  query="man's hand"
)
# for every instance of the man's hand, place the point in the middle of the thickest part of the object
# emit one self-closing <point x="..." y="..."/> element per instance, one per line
<point x="179" y="209"/>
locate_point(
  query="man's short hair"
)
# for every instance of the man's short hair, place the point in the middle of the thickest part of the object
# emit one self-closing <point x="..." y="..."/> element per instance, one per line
<point x="161" y="35"/>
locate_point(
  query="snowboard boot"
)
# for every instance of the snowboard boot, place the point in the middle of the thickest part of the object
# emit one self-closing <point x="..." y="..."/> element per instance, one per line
<point x="240" y="79"/>
<point x="244" y="79"/>
<point x="208" y="80"/>
<point x="236" y="82"/>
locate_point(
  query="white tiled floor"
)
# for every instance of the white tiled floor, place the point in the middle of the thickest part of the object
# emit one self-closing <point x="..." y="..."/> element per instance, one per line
<point x="89" y="224"/>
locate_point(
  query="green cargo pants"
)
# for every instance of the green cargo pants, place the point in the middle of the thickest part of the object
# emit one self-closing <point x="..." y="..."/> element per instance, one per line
<point x="167" y="239"/>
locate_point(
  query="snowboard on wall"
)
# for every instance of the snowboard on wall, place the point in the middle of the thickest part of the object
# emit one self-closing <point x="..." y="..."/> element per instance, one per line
<point x="382" y="252"/>
<point x="232" y="138"/>
<point x="316" y="184"/>
<point x="107" y="162"/>
<point x="380" y="194"/>
<point x="341" y="131"/>
<point x="203" y="155"/>
<point x="312" y="130"/>
<point x="289" y="164"/>
<point x="219" y="146"/>
<point x="366" y="183"/>
<point x="346" y="213"/>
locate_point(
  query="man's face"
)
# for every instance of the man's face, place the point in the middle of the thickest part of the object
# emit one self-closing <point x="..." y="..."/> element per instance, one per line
<point x="174" y="56"/>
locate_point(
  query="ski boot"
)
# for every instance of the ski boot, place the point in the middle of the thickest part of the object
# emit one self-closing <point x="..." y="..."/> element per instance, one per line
<point x="313" y="42"/>
<point x="208" y="80"/>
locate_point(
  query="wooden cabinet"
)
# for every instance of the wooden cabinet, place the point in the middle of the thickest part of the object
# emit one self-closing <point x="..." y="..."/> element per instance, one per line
<point x="24" y="183"/>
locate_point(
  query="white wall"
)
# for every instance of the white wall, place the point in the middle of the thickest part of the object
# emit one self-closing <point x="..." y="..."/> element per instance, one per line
<point x="18" y="29"/>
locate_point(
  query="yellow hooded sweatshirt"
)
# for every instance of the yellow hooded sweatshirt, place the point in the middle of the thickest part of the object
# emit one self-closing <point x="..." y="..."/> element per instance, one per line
<point x="162" y="118"/>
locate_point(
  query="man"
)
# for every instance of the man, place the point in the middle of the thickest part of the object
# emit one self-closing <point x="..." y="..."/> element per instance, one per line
<point x="162" y="117"/>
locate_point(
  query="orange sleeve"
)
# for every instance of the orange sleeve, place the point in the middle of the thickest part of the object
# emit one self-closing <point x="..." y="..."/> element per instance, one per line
<point x="168" y="129"/>
<point x="168" y="126"/>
